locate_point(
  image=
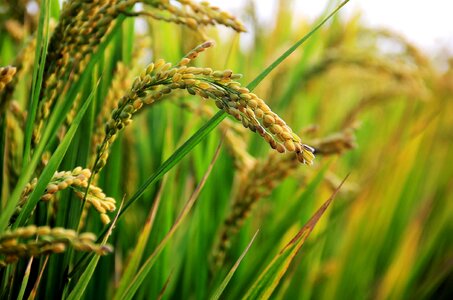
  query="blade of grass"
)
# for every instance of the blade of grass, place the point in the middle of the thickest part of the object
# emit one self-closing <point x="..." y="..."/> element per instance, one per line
<point x="34" y="291"/>
<point x="149" y="263"/>
<point x="164" y="288"/>
<point x="307" y="197"/>
<point x="295" y="210"/>
<point x="84" y="280"/>
<point x="137" y="254"/>
<point x="42" y="42"/>
<point x="24" y="283"/>
<point x="179" y="154"/>
<point x="230" y="274"/>
<point x="268" y="280"/>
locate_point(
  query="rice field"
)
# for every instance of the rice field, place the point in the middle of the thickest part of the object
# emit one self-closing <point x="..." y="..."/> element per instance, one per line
<point x="148" y="154"/>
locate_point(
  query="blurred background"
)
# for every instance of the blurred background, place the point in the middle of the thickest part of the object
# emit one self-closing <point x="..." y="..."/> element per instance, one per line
<point x="427" y="25"/>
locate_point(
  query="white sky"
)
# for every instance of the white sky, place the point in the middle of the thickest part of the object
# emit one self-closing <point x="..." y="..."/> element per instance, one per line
<point x="428" y="24"/>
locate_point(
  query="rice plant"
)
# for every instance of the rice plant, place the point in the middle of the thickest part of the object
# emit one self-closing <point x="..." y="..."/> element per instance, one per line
<point x="147" y="154"/>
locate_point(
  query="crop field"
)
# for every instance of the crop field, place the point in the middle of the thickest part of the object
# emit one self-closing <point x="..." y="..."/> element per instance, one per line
<point x="148" y="153"/>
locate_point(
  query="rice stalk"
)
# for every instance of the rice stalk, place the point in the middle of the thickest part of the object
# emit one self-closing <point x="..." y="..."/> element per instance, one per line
<point x="6" y="76"/>
<point x="22" y="62"/>
<point x="161" y="78"/>
<point x="12" y="151"/>
<point x="120" y="84"/>
<point x="33" y="241"/>
<point x="336" y="143"/>
<point x="77" y="180"/>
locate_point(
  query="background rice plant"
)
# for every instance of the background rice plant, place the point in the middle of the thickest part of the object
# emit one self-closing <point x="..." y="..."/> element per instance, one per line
<point x="384" y="117"/>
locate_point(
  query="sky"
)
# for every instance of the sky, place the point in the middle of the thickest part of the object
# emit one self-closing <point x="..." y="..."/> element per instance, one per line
<point x="428" y="24"/>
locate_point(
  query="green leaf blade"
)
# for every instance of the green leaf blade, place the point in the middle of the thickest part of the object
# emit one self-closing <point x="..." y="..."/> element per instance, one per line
<point x="268" y="280"/>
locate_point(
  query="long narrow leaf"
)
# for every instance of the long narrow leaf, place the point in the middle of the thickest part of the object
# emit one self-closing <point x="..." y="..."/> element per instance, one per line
<point x="149" y="263"/>
<point x="268" y="280"/>
<point x="84" y="280"/>
<point x="42" y="42"/>
<point x="176" y="157"/>
<point x="230" y="274"/>
<point x="137" y="254"/>
<point x="24" y="283"/>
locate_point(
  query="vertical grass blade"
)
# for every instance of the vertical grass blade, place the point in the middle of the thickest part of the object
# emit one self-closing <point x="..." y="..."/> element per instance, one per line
<point x="42" y="42"/>
<point x="218" y="292"/>
<point x="25" y="279"/>
<point x="85" y="278"/>
<point x="34" y="291"/>
<point x="149" y="263"/>
<point x="137" y="254"/>
<point x="176" y="157"/>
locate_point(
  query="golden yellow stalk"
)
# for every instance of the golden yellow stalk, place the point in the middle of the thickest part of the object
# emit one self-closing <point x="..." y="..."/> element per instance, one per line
<point x="336" y="143"/>
<point x="34" y="241"/>
<point x="6" y="75"/>
<point x="162" y="78"/>
<point x="192" y="14"/>
<point x="77" y="180"/>
<point x="120" y="84"/>
<point x="12" y="152"/>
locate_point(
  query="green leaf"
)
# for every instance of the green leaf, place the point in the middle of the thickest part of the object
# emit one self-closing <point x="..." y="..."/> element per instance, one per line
<point x="266" y="283"/>
<point x="25" y="278"/>
<point x="176" y="157"/>
<point x="149" y="263"/>
<point x="140" y="247"/>
<point x="230" y="274"/>
<point x="42" y="42"/>
<point x="85" y="278"/>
